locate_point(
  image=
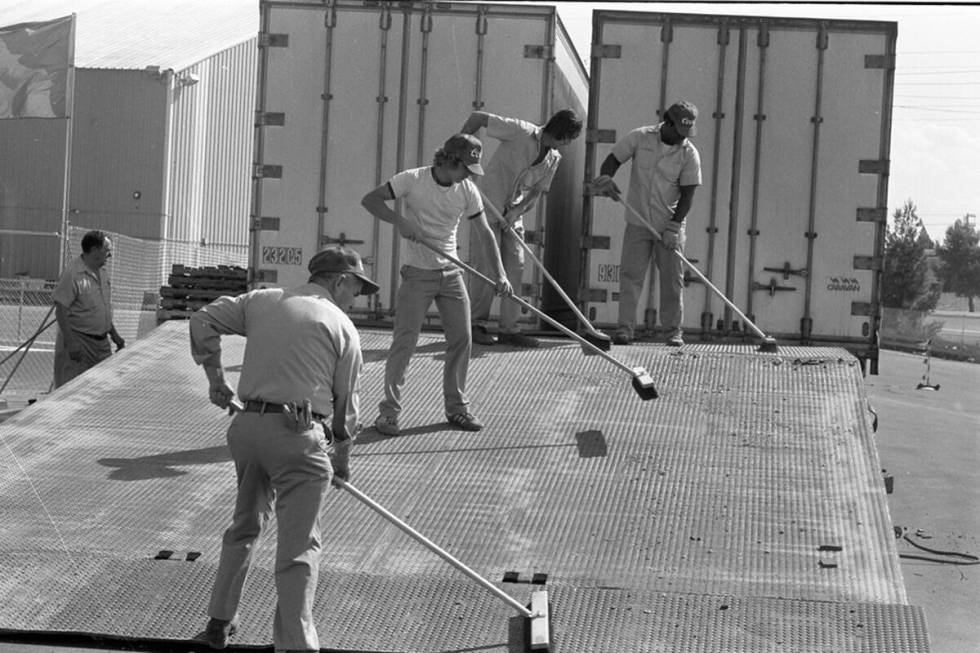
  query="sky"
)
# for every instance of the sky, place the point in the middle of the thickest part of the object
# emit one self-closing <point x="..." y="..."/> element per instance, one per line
<point x="935" y="146"/>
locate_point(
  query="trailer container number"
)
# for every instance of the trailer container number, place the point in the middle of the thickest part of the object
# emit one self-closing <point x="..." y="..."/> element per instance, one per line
<point x="607" y="272"/>
<point x="282" y="255"/>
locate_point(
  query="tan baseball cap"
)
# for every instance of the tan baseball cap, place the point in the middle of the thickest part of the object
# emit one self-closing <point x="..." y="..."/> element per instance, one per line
<point x="467" y="149"/>
<point x="342" y="259"/>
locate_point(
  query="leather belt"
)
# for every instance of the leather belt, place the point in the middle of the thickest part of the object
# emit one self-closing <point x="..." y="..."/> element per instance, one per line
<point x="92" y="335"/>
<point x="253" y="406"/>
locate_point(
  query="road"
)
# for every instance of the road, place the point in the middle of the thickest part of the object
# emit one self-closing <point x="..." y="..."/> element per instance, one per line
<point x="962" y="328"/>
<point x="930" y="442"/>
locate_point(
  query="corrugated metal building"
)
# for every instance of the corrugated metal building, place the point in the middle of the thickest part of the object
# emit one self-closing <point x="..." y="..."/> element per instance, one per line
<point x="161" y="133"/>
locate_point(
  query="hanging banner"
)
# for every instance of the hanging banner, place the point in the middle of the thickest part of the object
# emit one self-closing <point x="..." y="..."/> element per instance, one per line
<point x="35" y="60"/>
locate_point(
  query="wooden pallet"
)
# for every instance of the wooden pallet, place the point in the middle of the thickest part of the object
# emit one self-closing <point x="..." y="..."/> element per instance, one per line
<point x="191" y="288"/>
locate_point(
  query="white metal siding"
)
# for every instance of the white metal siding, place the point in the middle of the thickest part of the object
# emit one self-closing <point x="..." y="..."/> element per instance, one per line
<point x="210" y="169"/>
<point x="399" y="81"/>
<point x="820" y="113"/>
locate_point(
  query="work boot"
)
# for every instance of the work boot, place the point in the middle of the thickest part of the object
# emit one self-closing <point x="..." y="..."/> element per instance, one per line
<point x="623" y="335"/>
<point x="386" y="425"/>
<point x="482" y="337"/>
<point x="518" y="339"/>
<point x="676" y="338"/>
<point x="218" y="631"/>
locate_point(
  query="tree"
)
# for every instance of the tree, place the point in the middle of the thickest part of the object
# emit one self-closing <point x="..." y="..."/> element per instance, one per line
<point x="960" y="256"/>
<point x="906" y="280"/>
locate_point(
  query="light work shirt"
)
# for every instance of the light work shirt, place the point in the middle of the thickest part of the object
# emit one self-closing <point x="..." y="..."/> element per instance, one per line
<point x="86" y="295"/>
<point x="511" y="172"/>
<point x="436" y="210"/>
<point x="299" y="345"/>
<point x="658" y="172"/>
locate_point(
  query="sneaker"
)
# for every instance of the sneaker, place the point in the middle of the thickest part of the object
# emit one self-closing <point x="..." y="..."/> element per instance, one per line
<point x="465" y="421"/>
<point x="517" y="339"/>
<point x="676" y="339"/>
<point x="387" y="425"/>
<point x="482" y="337"/>
<point x="218" y="631"/>
<point x="623" y="335"/>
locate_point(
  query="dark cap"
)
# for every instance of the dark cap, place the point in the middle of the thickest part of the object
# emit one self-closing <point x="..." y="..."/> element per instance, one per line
<point x="683" y="114"/>
<point x="467" y="149"/>
<point x="342" y="259"/>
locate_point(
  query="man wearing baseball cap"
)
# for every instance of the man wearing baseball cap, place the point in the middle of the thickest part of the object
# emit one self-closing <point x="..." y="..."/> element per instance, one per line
<point x="298" y="388"/>
<point x="518" y="175"/>
<point x="666" y="171"/>
<point x="435" y="199"/>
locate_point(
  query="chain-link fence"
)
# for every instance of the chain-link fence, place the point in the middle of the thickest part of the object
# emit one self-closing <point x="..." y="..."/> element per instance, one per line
<point x="136" y="271"/>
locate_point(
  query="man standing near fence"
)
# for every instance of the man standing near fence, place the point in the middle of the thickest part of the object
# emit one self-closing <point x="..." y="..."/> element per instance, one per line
<point x="83" y="308"/>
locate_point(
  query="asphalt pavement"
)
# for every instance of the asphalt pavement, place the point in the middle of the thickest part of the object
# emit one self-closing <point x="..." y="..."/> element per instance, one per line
<point x="929" y="441"/>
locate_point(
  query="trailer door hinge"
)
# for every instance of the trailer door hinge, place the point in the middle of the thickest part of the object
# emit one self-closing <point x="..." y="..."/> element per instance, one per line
<point x="872" y="214"/>
<point x="606" y="51"/>
<point x="879" y="61"/>
<point x="873" y="166"/>
<point x="862" y="308"/>
<point x="600" y="135"/>
<point x="261" y="171"/>
<point x="270" y="119"/>
<point x="265" y="276"/>
<point x="267" y="40"/>
<point x="595" y="242"/>
<point x="538" y="52"/>
<point x="265" y="223"/>
<point x="867" y="262"/>
<point x="594" y="295"/>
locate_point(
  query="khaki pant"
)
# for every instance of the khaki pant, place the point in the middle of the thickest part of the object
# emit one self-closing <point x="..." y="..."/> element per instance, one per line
<point x="482" y="293"/>
<point x="639" y="248"/>
<point x="418" y="289"/>
<point x="94" y="351"/>
<point x="276" y="467"/>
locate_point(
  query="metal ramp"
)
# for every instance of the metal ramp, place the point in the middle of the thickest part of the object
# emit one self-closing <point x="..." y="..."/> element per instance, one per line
<point x="743" y="510"/>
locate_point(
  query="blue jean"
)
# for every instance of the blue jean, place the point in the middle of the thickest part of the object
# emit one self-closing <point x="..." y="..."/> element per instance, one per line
<point x="482" y="293"/>
<point x="276" y="464"/>
<point x="418" y="289"/>
<point x="640" y="246"/>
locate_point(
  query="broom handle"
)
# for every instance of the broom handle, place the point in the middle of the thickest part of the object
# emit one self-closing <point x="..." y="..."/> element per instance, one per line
<point x="541" y="314"/>
<point x="432" y="546"/>
<point x="537" y="262"/>
<point x="236" y="406"/>
<point x="696" y="271"/>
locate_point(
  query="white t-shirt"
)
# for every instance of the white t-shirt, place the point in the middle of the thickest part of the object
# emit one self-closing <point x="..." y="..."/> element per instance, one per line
<point x="436" y="211"/>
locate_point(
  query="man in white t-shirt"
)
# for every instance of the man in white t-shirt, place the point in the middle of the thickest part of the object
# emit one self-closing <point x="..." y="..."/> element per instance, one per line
<point x="519" y="172"/>
<point x="665" y="173"/>
<point x="435" y="198"/>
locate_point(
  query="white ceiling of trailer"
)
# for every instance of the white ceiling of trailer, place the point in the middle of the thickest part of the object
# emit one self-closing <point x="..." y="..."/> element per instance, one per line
<point x="134" y="34"/>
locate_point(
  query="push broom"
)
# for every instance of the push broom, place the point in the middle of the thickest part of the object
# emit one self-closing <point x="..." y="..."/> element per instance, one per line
<point x="641" y="379"/>
<point x="597" y="338"/>
<point x="768" y="342"/>
<point x="537" y="615"/>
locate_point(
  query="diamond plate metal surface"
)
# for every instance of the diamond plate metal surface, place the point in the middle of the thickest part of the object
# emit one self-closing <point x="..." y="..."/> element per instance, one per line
<point x="753" y="477"/>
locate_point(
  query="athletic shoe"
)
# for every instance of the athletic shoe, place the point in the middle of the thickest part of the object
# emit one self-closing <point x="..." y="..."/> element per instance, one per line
<point x="465" y="421"/>
<point x="518" y="340"/>
<point x="387" y="425"/>
<point x="623" y="336"/>
<point x="482" y="337"/>
<point x="676" y="339"/>
<point x="218" y="631"/>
